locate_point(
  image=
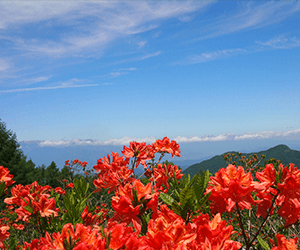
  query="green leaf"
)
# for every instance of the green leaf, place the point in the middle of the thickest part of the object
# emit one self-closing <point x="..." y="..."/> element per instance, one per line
<point x="175" y="179"/>
<point x="26" y="201"/>
<point x="198" y="186"/>
<point x="263" y="244"/>
<point x="193" y="179"/>
<point x="2" y="187"/>
<point x="188" y="178"/>
<point x="13" y="243"/>
<point x="176" y="208"/>
<point x="204" y="199"/>
<point x="186" y="194"/>
<point x="29" y="209"/>
<point x="166" y="199"/>
<point x="176" y="194"/>
<point x="57" y="197"/>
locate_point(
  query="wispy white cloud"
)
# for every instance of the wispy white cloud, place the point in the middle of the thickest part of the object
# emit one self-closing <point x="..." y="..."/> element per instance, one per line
<point x="139" y="58"/>
<point x="108" y="83"/>
<point x="211" y="56"/>
<point x="4" y="65"/>
<point x="48" y="88"/>
<point x="115" y="74"/>
<point x="250" y="16"/>
<point x="34" y="80"/>
<point x="23" y="12"/>
<point x="149" y="55"/>
<point x="179" y="139"/>
<point x="129" y="69"/>
<point x="281" y="42"/>
<point x="141" y="44"/>
<point x="111" y="20"/>
<point x="72" y="83"/>
<point x="119" y="72"/>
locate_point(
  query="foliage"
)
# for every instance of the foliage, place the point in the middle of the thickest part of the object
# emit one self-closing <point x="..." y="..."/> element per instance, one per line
<point x="25" y="172"/>
<point x="187" y="197"/>
<point x="165" y="211"/>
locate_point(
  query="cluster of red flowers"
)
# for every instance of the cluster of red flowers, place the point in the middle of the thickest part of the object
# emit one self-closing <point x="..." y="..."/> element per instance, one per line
<point x="141" y="221"/>
<point x="32" y="199"/>
<point x="286" y="189"/>
<point x="132" y="201"/>
<point x="115" y="172"/>
<point x="166" y="231"/>
<point x="4" y="234"/>
<point x="76" y="161"/>
<point x="232" y="189"/>
<point x="112" y="173"/>
<point x="143" y="152"/>
<point x="162" y="174"/>
<point x="5" y="179"/>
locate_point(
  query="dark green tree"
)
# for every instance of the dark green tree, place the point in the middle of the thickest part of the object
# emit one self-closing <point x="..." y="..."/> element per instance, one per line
<point x="52" y="175"/>
<point x="41" y="175"/>
<point x="10" y="154"/>
<point x="66" y="173"/>
<point x="12" y="157"/>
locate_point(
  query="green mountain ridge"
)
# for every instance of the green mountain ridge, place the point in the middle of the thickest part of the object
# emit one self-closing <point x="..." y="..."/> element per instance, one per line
<point x="280" y="152"/>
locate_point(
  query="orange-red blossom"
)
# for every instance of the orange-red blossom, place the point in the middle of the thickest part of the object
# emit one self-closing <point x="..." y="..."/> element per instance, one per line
<point x="162" y="174"/>
<point x="132" y="200"/>
<point x="284" y="244"/>
<point x="32" y="199"/>
<point x="4" y="234"/>
<point x="165" y="145"/>
<point x="5" y="177"/>
<point x="229" y="188"/>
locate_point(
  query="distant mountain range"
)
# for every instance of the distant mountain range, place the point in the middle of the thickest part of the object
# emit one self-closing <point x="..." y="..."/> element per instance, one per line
<point x="205" y="154"/>
<point x="280" y="152"/>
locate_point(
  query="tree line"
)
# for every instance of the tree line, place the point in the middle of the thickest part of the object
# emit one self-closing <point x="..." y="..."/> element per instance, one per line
<point x="25" y="171"/>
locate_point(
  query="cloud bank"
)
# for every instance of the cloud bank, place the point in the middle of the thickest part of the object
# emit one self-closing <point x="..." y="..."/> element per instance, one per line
<point x="179" y="139"/>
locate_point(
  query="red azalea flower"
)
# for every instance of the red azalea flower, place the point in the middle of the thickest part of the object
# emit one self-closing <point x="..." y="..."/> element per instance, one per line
<point x="4" y="234"/>
<point x="267" y="177"/>
<point x="59" y="190"/>
<point x="112" y="173"/>
<point x="131" y="201"/>
<point x="234" y="187"/>
<point x="163" y="174"/>
<point x="141" y="151"/>
<point x="6" y="177"/>
<point x="165" y="145"/>
<point x="284" y="244"/>
<point x="18" y="226"/>
<point x="32" y="199"/>
<point x="84" y="164"/>
<point x="70" y="185"/>
<point x="81" y="238"/>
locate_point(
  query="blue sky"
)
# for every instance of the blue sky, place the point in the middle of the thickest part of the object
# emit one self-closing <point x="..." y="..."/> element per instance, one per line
<point x="140" y="70"/>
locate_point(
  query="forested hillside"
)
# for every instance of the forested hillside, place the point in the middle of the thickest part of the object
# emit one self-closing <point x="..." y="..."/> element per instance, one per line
<point x="280" y="152"/>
